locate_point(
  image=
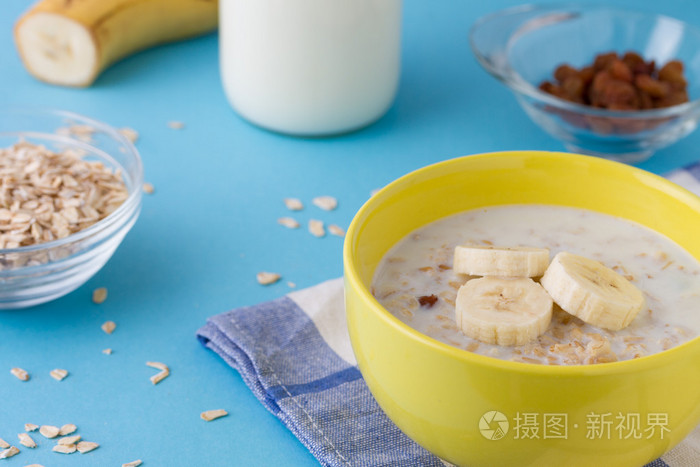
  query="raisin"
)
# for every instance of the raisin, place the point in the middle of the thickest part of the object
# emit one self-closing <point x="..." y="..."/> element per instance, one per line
<point x="619" y="70"/>
<point x="574" y="87"/>
<point x="672" y="73"/>
<point x="620" y="94"/>
<point x="587" y="74"/>
<point x="673" y="98"/>
<point x="427" y="300"/>
<point x="633" y="60"/>
<point x="596" y="91"/>
<point x="603" y="61"/>
<point x="645" y="100"/>
<point x="651" y="86"/>
<point x="563" y="72"/>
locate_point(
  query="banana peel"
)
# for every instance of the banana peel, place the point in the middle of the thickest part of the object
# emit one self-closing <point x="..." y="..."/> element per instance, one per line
<point x="70" y="42"/>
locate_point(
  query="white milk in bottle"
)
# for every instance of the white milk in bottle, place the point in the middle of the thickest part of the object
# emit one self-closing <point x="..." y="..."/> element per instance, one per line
<point x="310" y="67"/>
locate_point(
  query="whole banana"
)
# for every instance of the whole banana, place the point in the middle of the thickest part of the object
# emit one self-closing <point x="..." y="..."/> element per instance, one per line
<point x="69" y="42"/>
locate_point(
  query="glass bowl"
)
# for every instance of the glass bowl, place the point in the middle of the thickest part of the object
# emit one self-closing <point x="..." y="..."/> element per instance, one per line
<point x="35" y="274"/>
<point x="522" y="47"/>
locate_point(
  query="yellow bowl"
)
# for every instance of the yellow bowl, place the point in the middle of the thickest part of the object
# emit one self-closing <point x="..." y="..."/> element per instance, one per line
<point x="438" y="394"/>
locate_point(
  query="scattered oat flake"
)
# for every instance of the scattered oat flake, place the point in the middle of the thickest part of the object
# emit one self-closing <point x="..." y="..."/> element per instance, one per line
<point x="175" y="125"/>
<point x="87" y="446"/>
<point x="68" y="440"/>
<point x="26" y="440"/>
<point x="58" y="374"/>
<point x="148" y="188"/>
<point x="67" y="429"/>
<point x="327" y="203"/>
<point x="293" y="204"/>
<point x="210" y="415"/>
<point x="336" y="230"/>
<point x="82" y="132"/>
<point x="164" y="371"/>
<point x="49" y="431"/>
<point x="267" y="278"/>
<point x="65" y="448"/>
<point x="29" y="427"/>
<point x="316" y="228"/>
<point x="34" y="465"/>
<point x="4" y="444"/>
<point x="135" y="463"/>
<point x="99" y="295"/>
<point x="9" y="452"/>
<point x="157" y="365"/>
<point x="158" y="377"/>
<point x="109" y="327"/>
<point x="288" y="222"/>
<point x="20" y="374"/>
<point x="291" y="285"/>
<point x="107" y="351"/>
<point x="129" y="133"/>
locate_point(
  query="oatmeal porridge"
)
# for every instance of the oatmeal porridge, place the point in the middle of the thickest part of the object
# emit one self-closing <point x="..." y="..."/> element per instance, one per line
<point x="417" y="283"/>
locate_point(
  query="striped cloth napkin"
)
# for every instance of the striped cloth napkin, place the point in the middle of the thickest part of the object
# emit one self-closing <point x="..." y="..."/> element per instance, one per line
<point x="303" y="370"/>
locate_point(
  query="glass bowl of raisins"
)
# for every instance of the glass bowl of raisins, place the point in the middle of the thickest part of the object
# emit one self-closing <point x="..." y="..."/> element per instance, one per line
<point x="614" y="83"/>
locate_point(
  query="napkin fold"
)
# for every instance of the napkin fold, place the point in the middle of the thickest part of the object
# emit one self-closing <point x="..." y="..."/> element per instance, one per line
<point x="294" y="354"/>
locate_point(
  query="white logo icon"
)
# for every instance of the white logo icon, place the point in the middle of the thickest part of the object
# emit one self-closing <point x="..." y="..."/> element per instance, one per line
<point x="493" y="425"/>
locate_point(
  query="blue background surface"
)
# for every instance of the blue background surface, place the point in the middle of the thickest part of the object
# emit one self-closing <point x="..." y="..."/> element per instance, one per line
<point x="212" y="225"/>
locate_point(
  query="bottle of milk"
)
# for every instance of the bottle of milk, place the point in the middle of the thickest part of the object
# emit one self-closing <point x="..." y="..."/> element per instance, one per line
<point x="310" y="67"/>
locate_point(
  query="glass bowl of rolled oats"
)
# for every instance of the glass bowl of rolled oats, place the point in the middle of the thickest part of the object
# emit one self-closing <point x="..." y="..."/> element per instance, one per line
<point x="70" y="190"/>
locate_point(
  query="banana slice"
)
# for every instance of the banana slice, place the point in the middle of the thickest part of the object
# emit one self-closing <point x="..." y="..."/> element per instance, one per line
<point x="503" y="310"/>
<point x="598" y="295"/>
<point x="500" y="261"/>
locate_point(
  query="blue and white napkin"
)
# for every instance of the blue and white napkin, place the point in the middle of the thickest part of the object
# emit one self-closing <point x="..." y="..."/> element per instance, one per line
<point x="303" y="370"/>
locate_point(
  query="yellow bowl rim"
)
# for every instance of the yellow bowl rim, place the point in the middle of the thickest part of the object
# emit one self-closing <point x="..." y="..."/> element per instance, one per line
<point x="351" y="277"/>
